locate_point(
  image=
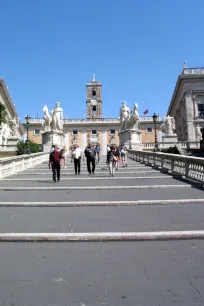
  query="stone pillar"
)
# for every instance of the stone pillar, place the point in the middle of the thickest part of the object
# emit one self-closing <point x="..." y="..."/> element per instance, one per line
<point x="104" y="142"/>
<point x="66" y="139"/>
<point x="84" y="144"/>
<point x="189" y="116"/>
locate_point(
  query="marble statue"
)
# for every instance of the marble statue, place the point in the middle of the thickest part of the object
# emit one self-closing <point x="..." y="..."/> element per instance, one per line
<point x="57" y="118"/>
<point x="168" y="126"/>
<point x="135" y="118"/>
<point x="14" y="125"/>
<point x="4" y="134"/>
<point x="124" y="116"/>
<point x="198" y="133"/>
<point x="54" y="123"/>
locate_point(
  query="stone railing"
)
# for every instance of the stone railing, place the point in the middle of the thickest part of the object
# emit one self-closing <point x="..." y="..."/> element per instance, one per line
<point x="197" y="70"/>
<point x="165" y="145"/>
<point x="12" y="165"/>
<point x="37" y="120"/>
<point x="187" y="166"/>
<point x="95" y="120"/>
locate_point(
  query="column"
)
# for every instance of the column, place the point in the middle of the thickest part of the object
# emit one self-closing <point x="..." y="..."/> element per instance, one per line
<point x="83" y="136"/>
<point x="104" y="142"/>
<point x="66" y="139"/>
<point x="189" y="116"/>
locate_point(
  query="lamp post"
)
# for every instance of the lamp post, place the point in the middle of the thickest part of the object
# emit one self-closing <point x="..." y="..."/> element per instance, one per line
<point x="155" y="131"/>
<point x="130" y="145"/>
<point x="27" y="120"/>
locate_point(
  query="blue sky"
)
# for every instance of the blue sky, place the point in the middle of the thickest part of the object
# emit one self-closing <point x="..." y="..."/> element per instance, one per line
<point x="49" y="50"/>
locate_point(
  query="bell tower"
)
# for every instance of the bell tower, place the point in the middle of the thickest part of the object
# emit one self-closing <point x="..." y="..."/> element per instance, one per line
<point x="93" y="99"/>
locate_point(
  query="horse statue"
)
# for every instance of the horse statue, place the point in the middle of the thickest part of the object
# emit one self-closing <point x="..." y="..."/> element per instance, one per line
<point x="47" y="118"/>
<point x="54" y="123"/>
<point x="168" y="126"/>
<point x="135" y="118"/>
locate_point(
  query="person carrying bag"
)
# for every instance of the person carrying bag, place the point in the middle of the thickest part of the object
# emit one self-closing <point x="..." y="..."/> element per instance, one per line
<point x="112" y="160"/>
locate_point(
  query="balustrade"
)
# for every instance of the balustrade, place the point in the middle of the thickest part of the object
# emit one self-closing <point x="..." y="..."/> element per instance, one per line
<point x="12" y="165"/>
<point x="190" y="167"/>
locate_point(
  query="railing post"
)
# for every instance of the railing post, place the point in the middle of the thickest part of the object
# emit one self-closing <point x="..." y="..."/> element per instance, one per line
<point x="0" y="170"/>
<point x="162" y="162"/>
<point x="187" y="163"/>
<point x="172" y="164"/>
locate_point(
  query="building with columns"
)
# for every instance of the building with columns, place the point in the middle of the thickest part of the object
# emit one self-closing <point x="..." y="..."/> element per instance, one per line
<point x="187" y="104"/>
<point x="95" y="127"/>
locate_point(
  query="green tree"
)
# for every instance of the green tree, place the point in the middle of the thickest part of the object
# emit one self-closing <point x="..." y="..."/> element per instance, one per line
<point x="3" y="114"/>
<point x="22" y="147"/>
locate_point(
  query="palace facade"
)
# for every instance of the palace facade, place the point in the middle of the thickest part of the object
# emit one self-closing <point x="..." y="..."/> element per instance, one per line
<point x="187" y="104"/>
<point x="95" y="127"/>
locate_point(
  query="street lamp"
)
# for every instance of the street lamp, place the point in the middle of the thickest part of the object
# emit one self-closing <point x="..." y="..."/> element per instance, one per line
<point x="27" y="120"/>
<point x="130" y="145"/>
<point x="155" y="131"/>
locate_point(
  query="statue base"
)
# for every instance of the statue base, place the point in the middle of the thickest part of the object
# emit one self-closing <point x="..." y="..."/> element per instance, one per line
<point x="12" y="142"/>
<point x="131" y="139"/>
<point x="52" y="138"/>
<point x="170" y="138"/>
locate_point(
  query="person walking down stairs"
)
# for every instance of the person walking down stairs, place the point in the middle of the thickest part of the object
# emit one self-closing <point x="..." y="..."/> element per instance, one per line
<point x="123" y="153"/>
<point x="77" y="159"/>
<point x="97" y="149"/>
<point x="112" y="160"/>
<point x="90" y="155"/>
<point x="55" y="158"/>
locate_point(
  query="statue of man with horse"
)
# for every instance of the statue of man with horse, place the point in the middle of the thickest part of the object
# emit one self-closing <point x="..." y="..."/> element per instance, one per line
<point x="54" y="123"/>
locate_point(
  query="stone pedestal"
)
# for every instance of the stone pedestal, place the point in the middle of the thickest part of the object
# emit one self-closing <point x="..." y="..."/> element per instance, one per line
<point x="52" y="138"/>
<point x="202" y="145"/>
<point x="131" y="138"/>
<point x="170" y="138"/>
<point x="12" y="143"/>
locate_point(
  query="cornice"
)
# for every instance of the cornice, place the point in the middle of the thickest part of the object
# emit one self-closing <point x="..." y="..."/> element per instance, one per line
<point x="10" y="102"/>
<point x="180" y="79"/>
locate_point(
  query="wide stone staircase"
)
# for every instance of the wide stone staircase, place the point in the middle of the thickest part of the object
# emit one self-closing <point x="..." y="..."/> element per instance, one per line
<point x="139" y="203"/>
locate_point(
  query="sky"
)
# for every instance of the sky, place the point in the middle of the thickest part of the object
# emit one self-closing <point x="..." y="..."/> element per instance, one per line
<point x="136" y="48"/>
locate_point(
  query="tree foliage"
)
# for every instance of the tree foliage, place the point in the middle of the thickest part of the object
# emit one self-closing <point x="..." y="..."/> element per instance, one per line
<point x="3" y="114"/>
<point x="22" y="147"/>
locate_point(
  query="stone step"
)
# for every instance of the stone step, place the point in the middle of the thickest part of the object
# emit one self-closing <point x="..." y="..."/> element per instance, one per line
<point x="173" y="217"/>
<point x="101" y="195"/>
<point x="94" y="182"/>
<point x="83" y="274"/>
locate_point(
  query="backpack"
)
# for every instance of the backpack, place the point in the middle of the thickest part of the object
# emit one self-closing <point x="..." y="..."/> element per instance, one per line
<point x="123" y="152"/>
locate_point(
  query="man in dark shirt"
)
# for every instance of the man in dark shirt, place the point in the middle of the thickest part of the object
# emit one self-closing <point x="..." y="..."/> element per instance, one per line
<point x="90" y="154"/>
<point x="55" y="158"/>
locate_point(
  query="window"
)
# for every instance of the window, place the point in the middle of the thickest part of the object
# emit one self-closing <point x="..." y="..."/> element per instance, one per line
<point x="37" y="132"/>
<point x="93" y="94"/>
<point x="112" y="132"/>
<point x="74" y="132"/>
<point x="94" y="132"/>
<point x="149" y="130"/>
<point x="201" y="110"/>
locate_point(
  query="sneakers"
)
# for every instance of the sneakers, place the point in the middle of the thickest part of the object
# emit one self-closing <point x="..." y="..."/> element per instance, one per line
<point x="93" y="173"/>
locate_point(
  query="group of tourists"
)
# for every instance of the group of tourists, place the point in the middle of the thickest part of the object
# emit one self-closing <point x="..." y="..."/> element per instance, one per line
<point x="114" y="156"/>
<point x="91" y="153"/>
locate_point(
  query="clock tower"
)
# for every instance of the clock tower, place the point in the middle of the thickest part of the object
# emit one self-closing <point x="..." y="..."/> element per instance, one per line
<point x="93" y="99"/>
